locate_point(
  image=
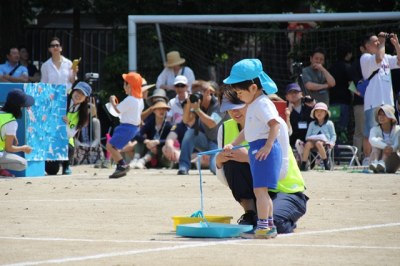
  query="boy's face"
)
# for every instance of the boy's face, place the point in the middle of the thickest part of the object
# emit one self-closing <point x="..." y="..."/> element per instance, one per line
<point x="127" y="88"/>
<point x="247" y="96"/>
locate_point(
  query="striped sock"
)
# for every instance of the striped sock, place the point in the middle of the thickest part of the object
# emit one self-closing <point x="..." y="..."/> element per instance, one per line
<point x="262" y="223"/>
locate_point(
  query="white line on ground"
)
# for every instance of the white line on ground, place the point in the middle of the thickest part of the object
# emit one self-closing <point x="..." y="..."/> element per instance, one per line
<point x="196" y="244"/>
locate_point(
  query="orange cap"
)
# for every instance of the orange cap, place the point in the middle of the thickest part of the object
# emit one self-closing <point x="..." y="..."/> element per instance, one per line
<point x="135" y="81"/>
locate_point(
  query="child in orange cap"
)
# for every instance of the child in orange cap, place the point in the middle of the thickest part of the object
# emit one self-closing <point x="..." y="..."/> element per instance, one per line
<point x="130" y="109"/>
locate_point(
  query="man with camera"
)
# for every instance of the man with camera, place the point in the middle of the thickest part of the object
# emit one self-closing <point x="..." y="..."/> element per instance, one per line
<point x="203" y="112"/>
<point x="300" y="109"/>
<point x="379" y="90"/>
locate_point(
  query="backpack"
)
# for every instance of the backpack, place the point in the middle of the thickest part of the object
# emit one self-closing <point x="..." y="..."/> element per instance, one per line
<point x="363" y="84"/>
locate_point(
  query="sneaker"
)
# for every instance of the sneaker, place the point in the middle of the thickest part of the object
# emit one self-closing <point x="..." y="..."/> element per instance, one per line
<point x="248" y="218"/>
<point x="304" y="166"/>
<point x="120" y="171"/>
<point x="183" y="172"/>
<point x="269" y="232"/>
<point x="381" y="167"/>
<point x="67" y="171"/>
<point x="373" y="166"/>
<point x="140" y="164"/>
<point x="365" y="162"/>
<point x="327" y="164"/>
<point x="5" y="173"/>
<point x="132" y="164"/>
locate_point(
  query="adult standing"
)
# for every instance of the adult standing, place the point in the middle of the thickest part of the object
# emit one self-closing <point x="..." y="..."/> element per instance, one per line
<point x="316" y="78"/>
<point x="379" y="90"/>
<point x="58" y="69"/>
<point x="174" y="67"/>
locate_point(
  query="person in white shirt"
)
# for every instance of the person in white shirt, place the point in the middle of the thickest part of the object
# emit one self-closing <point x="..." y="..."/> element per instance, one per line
<point x="173" y="68"/>
<point x="379" y="90"/>
<point x="384" y="139"/>
<point x="175" y="114"/>
<point x="58" y="69"/>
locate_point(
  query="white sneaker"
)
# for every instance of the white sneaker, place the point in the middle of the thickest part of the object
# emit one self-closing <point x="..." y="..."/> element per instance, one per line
<point x="365" y="162"/>
<point x="133" y="163"/>
<point x="140" y="164"/>
<point x="373" y="166"/>
<point x="381" y="167"/>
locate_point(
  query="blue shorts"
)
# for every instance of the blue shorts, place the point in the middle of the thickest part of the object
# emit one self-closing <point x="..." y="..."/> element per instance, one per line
<point x="123" y="134"/>
<point x="369" y="121"/>
<point x="266" y="172"/>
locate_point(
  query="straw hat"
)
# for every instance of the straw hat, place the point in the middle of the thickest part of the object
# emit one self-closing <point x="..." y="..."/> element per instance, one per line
<point x="174" y="59"/>
<point x="157" y="94"/>
<point x="146" y="86"/>
<point x="160" y="105"/>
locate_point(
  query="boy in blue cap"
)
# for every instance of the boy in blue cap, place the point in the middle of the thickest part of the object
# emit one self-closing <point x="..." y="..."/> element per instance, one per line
<point x="262" y="127"/>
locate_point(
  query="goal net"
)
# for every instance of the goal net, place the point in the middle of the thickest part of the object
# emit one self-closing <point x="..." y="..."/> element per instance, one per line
<point x="210" y="50"/>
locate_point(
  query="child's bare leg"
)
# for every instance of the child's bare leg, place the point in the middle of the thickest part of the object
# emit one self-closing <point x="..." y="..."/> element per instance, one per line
<point x="321" y="149"/>
<point x="115" y="154"/>
<point x="306" y="152"/>
<point x="264" y="202"/>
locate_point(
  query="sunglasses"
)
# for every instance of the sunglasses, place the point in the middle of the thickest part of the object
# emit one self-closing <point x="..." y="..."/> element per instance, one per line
<point x="180" y="85"/>
<point x="54" y="45"/>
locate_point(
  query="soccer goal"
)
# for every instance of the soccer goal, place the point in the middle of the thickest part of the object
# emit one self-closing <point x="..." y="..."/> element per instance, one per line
<point x="211" y="44"/>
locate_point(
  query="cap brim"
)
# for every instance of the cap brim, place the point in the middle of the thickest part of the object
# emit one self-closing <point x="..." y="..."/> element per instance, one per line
<point x="177" y="63"/>
<point x="232" y="80"/>
<point x="146" y="87"/>
<point x="29" y="101"/>
<point x="226" y="106"/>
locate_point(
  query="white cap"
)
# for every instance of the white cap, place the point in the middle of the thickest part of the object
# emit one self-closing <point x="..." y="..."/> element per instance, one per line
<point x="180" y="79"/>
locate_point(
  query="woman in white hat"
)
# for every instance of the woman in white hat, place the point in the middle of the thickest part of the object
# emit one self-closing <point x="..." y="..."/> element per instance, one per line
<point x="174" y="67"/>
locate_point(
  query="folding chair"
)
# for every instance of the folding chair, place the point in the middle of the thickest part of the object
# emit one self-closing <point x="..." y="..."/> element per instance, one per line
<point x="315" y="159"/>
<point x="346" y="153"/>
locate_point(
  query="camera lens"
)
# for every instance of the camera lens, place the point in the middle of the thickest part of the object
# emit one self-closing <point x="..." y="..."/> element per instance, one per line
<point x="195" y="97"/>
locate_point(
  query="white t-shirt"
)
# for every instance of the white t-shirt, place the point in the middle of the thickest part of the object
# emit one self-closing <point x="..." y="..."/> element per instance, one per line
<point x="51" y="74"/>
<point x="130" y="109"/>
<point x="175" y="114"/>
<point x="379" y="90"/>
<point x="259" y="113"/>
<point x="167" y="76"/>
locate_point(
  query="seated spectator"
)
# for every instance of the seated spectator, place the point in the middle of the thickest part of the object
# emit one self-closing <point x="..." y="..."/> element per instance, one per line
<point x="174" y="67"/>
<point x="384" y="140"/>
<point x="12" y="110"/>
<point x="33" y="72"/>
<point x="300" y="109"/>
<point x="88" y="148"/>
<point x="152" y="138"/>
<point x="12" y="70"/>
<point x="157" y="95"/>
<point x="316" y="78"/>
<point x="203" y="112"/>
<point x="176" y="113"/>
<point x="320" y="134"/>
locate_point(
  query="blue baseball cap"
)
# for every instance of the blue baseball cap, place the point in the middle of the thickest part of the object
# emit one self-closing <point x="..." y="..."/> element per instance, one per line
<point x="84" y="88"/>
<point x="249" y="69"/>
<point x="227" y="105"/>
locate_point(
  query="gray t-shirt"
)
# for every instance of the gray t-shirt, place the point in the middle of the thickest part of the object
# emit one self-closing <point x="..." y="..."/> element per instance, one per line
<point x="214" y="112"/>
<point x="316" y="76"/>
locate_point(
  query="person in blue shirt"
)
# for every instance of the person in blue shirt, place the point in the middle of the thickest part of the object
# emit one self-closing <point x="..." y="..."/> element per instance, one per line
<point x="12" y="70"/>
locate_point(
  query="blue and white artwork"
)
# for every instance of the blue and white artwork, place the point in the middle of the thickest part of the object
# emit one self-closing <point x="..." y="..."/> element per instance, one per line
<point x="45" y="129"/>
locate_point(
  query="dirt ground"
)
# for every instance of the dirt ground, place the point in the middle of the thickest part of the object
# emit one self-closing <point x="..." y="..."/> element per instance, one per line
<point x="88" y="219"/>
